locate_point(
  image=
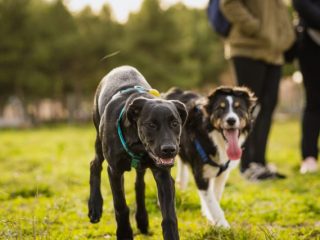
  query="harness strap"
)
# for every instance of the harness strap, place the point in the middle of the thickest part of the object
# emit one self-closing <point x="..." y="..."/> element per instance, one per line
<point x="135" y="159"/>
<point x="206" y="160"/>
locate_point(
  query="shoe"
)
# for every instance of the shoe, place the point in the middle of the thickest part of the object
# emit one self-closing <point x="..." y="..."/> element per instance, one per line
<point x="309" y="165"/>
<point x="258" y="172"/>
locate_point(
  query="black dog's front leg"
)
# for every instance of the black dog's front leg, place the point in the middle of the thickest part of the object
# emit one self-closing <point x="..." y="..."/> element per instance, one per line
<point x="121" y="209"/>
<point x="141" y="214"/>
<point x="95" y="200"/>
<point x="166" y="195"/>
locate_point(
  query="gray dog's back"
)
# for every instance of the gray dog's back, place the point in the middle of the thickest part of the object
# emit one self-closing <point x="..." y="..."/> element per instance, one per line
<point x="118" y="79"/>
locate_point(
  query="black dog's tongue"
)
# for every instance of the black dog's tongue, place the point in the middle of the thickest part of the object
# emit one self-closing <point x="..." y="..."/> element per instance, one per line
<point x="234" y="151"/>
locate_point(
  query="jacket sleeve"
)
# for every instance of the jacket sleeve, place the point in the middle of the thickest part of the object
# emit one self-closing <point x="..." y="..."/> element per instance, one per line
<point x="238" y="14"/>
<point x="309" y="12"/>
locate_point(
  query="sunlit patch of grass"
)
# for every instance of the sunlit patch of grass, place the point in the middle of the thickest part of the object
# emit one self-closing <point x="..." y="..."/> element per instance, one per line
<point x="44" y="187"/>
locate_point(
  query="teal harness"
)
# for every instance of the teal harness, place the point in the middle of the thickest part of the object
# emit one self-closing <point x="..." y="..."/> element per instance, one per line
<point x="135" y="158"/>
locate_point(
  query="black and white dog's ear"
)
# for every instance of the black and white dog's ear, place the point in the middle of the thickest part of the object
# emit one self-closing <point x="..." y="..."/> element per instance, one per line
<point x="208" y="106"/>
<point x="134" y="109"/>
<point x="250" y="98"/>
<point x="253" y="102"/>
<point x="182" y="110"/>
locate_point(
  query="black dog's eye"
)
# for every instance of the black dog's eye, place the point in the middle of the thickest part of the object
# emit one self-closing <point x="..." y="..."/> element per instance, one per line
<point x="174" y="124"/>
<point x="151" y="125"/>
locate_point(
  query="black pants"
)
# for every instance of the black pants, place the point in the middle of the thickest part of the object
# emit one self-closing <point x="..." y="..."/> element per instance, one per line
<point x="309" y="59"/>
<point x="263" y="79"/>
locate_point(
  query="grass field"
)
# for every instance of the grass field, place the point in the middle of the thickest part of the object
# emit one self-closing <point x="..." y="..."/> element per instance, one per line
<point x="44" y="191"/>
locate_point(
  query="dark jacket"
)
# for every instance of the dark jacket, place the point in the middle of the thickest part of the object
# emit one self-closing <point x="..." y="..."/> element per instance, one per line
<point x="309" y="12"/>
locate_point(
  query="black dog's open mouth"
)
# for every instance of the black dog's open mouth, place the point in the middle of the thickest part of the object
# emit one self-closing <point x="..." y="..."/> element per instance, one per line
<point x="162" y="162"/>
<point x="231" y="136"/>
<point x="165" y="161"/>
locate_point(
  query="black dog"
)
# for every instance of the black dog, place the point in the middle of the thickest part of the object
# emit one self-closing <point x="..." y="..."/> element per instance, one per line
<point x="211" y="141"/>
<point x="135" y="129"/>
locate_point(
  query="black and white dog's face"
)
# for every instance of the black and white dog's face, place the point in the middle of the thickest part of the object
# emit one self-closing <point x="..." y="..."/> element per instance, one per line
<point x="230" y="112"/>
<point x="159" y="125"/>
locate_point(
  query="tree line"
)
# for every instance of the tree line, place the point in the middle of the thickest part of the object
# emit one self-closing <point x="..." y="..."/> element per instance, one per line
<point x="48" y="52"/>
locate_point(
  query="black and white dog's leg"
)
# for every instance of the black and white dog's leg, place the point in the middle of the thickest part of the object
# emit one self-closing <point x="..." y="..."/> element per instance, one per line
<point x="95" y="200"/>
<point x="211" y="205"/>
<point x="166" y="196"/>
<point x="182" y="175"/>
<point x="202" y="185"/>
<point x="121" y="209"/>
<point x="141" y="214"/>
<point x="219" y="184"/>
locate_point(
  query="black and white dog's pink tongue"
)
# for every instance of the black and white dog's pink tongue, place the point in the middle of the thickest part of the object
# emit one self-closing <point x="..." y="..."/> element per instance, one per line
<point x="234" y="151"/>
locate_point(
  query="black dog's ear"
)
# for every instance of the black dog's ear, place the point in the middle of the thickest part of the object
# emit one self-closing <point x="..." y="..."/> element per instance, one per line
<point x="135" y="108"/>
<point x="182" y="110"/>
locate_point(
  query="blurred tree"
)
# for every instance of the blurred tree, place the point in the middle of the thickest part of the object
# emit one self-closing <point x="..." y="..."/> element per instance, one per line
<point x="154" y="44"/>
<point x="15" y="44"/>
<point x="98" y="36"/>
<point x="202" y="47"/>
<point x="47" y="52"/>
<point x="53" y="30"/>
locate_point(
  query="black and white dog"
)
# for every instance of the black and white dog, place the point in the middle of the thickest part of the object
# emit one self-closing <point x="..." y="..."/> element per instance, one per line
<point x="211" y="141"/>
<point x="135" y="129"/>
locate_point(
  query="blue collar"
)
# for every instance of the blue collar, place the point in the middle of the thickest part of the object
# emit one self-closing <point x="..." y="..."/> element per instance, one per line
<point x="206" y="160"/>
<point x="135" y="158"/>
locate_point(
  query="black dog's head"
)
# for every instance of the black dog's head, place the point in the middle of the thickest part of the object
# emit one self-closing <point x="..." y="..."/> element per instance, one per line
<point x="230" y="113"/>
<point x="159" y="125"/>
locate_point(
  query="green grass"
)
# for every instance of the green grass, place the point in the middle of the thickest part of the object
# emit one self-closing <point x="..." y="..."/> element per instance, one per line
<point x="44" y="190"/>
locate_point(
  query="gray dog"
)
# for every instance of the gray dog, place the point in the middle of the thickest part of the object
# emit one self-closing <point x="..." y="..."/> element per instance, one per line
<point x="135" y="129"/>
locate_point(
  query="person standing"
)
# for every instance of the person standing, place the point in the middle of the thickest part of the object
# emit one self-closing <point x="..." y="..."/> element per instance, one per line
<point x="309" y="61"/>
<point x="260" y="34"/>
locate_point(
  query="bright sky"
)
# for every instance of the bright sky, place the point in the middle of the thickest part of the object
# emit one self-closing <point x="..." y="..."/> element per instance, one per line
<point x="121" y="8"/>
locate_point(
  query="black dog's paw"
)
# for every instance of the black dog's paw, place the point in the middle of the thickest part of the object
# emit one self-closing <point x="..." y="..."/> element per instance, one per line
<point x="142" y="222"/>
<point x="95" y="209"/>
<point x="124" y="233"/>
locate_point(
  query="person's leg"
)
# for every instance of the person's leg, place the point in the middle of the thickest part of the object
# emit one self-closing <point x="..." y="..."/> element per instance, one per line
<point x="250" y="73"/>
<point x="268" y="102"/>
<point x="310" y="133"/>
<point x="309" y="65"/>
<point x="263" y="79"/>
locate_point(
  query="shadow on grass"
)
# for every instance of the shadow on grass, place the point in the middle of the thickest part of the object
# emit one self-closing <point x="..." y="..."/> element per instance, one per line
<point x="36" y="191"/>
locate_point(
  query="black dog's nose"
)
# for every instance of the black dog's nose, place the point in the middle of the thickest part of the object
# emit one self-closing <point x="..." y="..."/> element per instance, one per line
<point x="168" y="149"/>
<point x="231" y="121"/>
